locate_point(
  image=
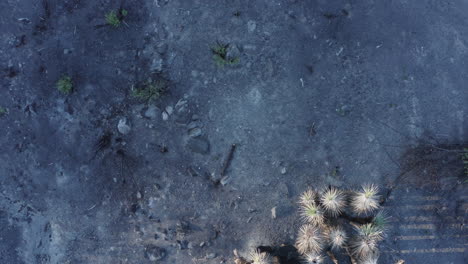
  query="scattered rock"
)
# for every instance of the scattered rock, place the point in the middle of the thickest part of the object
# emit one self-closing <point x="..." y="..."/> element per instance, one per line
<point x="273" y="212"/>
<point x="165" y="116"/>
<point x="156" y="65"/>
<point x="169" y="110"/>
<point x="123" y="127"/>
<point x="251" y="210"/>
<point x="194" y="124"/>
<point x="154" y="253"/>
<point x="283" y="170"/>
<point x="152" y="112"/>
<point x="199" y="145"/>
<point x="182" y="228"/>
<point x="251" y="26"/>
<point x="195" y="132"/>
<point x="183" y="115"/>
<point x="182" y="244"/>
<point x="224" y="180"/>
<point x="138" y="195"/>
<point x="233" y="52"/>
<point x="211" y="256"/>
<point x="161" y="48"/>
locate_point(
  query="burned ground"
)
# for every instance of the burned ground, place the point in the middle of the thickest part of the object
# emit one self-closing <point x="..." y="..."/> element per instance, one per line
<point x="313" y="93"/>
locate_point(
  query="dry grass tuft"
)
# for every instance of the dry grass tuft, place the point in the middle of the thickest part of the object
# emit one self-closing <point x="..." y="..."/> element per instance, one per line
<point x="260" y="257"/>
<point x="309" y="239"/>
<point x="337" y="237"/>
<point x="333" y="201"/>
<point x="313" y="258"/>
<point x="366" y="200"/>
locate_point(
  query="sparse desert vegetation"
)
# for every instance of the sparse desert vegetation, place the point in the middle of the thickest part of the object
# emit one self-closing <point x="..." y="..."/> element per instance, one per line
<point x="65" y="85"/>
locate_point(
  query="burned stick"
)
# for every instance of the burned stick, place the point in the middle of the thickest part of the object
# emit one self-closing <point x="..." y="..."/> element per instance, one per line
<point x="228" y="159"/>
<point x="332" y="257"/>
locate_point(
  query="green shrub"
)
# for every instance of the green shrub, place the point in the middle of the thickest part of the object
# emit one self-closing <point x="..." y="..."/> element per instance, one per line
<point x="3" y="111"/>
<point x="114" y="18"/>
<point x="220" y="55"/>
<point x="65" y="85"/>
<point x="151" y="90"/>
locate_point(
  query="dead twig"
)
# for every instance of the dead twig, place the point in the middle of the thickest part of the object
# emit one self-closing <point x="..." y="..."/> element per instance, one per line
<point x="228" y="159"/>
<point x="332" y="257"/>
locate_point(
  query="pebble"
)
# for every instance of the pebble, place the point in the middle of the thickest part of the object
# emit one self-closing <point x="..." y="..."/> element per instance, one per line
<point x="138" y="195"/>
<point x="151" y="112"/>
<point x="233" y="52"/>
<point x="273" y="212"/>
<point x="251" y="26"/>
<point x="194" y="124"/>
<point x="169" y="110"/>
<point x="161" y="48"/>
<point x="211" y="256"/>
<point x="123" y="127"/>
<point x="154" y="253"/>
<point x="165" y="116"/>
<point x="156" y="65"/>
<point x="195" y="132"/>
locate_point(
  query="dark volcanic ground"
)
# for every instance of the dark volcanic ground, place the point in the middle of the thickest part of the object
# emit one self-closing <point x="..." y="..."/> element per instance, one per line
<point x="325" y="92"/>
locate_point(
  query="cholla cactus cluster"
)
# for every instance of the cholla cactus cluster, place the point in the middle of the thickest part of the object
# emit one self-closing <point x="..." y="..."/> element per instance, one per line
<point x="325" y="228"/>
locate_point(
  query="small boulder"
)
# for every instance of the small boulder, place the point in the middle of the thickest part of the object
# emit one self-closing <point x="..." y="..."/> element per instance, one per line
<point x="123" y="127"/>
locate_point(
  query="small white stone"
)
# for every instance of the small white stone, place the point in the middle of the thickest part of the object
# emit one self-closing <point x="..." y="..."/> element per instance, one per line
<point x="169" y="110"/>
<point x="122" y="127"/>
<point x="273" y="212"/>
<point x="165" y="116"/>
<point x="283" y="170"/>
<point x="251" y="26"/>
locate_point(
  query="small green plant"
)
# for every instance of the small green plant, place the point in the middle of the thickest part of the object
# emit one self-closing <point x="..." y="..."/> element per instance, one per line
<point x="3" y="111"/>
<point x="151" y="90"/>
<point x="65" y="85"/>
<point x="114" y="18"/>
<point x="220" y="55"/>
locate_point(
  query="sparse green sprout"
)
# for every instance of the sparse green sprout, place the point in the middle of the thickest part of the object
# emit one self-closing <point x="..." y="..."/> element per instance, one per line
<point x="115" y="18"/>
<point x="151" y="91"/>
<point x="380" y="221"/>
<point x="220" y="55"/>
<point x="3" y="111"/>
<point x="370" y="231"/>
<point x="65" y="85"/>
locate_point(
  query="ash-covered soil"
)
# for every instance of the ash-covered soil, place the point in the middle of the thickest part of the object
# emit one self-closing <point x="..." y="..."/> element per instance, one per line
<point x="320" y="93"/>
